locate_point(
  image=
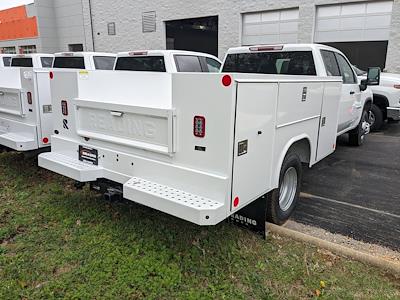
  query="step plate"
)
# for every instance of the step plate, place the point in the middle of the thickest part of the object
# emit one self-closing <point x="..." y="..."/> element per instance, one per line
<point x="187" y="206"/>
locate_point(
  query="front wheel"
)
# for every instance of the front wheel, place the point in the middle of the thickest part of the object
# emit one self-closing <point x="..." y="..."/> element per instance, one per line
<point x="282" y="201"/>
<point x="376" y="118"/>
<point x="357" y="135"/>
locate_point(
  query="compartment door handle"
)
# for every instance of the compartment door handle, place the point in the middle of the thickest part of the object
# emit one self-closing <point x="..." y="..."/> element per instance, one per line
<point x="117" y="113"/>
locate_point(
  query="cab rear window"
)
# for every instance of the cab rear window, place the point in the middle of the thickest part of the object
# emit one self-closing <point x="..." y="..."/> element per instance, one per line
<point x="22" y="62"/>
<point x="104" y="62"/>
<point x="142" y="63"/>
<point x="69" y="62"/>
<point x="47" y="62"/>
<point x="285" y="63"/>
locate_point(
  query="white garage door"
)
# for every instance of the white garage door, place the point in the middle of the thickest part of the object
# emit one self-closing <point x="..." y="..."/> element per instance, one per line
<point x="365" y="21"/>
<point x="270" y="27"/>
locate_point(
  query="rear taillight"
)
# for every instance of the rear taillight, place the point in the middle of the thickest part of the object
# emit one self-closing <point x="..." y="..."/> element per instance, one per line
<point x="64" y="107"/>
<point x="199" y="126"/>
<point x="29" y="97"/>
<point x="51" y="75"/>
<point x="397" y="86"/>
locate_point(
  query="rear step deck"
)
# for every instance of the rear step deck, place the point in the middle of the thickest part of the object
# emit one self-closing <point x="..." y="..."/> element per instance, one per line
<point x="17" y="142"/>
<point x="190" y="207"/>
<point x="67" y="166"/>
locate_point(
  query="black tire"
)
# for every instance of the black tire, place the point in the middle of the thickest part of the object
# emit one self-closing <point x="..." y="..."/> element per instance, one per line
<point x="376" y="117"/>
<point x="275" y="214"/>
<point x="357" y="135"/>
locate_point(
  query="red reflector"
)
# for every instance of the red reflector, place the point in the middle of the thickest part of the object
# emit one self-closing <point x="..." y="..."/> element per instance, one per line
<point x="64" y="107"/>
<point x="236" y="202"/>
<point x="226" y="80"/>
<point x="266" y="48"/>
<point x="29" y="97"/>
<point x="51" y="74"/>
<point x="45" y="140"/>
<point x="199" y="126"/>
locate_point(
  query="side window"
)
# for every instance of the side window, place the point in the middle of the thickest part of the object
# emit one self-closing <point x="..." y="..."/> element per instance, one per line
<point x="188" y="63"/>
<point x="213" y="65"/>
<point x="47" y="62"/>
<point x="331" y="65"/>
<point x="7" y="61"/>
<point x="104" y="62"/>
<point x="346" y="70"/>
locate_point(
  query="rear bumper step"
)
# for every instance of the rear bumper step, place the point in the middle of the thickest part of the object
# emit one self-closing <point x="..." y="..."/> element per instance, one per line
<point x="17" y="142"/>
<point x="187" y="206"/>
<point x="70" y="167"/>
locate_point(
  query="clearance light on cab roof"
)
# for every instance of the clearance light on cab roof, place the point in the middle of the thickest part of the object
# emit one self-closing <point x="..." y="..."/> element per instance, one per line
<point x="67" y="54"/>
<point x="266" y="48"/>
<point x="138" y="53"/>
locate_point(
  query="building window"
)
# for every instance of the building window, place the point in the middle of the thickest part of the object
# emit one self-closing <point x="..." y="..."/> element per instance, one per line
<point x="8" y="50"/>
<point x="27" y="49"/>
<point x="111" y="29"/>
<point x="149" y="21"/>
<point x="75" y="47"/>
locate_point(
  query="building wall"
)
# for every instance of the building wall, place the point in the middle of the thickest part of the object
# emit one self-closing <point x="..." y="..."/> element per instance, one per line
<point x="127" y="15"/>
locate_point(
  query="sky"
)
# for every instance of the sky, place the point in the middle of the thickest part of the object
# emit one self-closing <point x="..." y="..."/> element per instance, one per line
<point x="11" y="3"/>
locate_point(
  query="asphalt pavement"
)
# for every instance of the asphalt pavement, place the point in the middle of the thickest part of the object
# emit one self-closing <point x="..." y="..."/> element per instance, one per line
<point x="356" y="191"/>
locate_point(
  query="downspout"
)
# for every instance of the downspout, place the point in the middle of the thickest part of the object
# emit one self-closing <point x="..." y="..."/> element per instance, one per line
<point x="91" y="23"/>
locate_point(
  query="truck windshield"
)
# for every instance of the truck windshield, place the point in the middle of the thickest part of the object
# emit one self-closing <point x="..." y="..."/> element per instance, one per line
<point x="142" y="63"/>
<point x="286" y="63"/>
<point x="69" y="62"/>
<point x="22" y="62"/>
<point x="104" y="62"/>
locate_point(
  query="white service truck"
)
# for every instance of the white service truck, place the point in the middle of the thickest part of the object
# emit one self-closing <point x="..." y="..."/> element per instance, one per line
<point x="25" y="101"/>
<point x="312" y="60"/>
<point x="386" y="105"/>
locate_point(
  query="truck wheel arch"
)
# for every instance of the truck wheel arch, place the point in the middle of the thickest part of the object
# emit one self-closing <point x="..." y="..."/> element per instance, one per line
<point x="382" y="102"/>
<point x="300" y="145"/>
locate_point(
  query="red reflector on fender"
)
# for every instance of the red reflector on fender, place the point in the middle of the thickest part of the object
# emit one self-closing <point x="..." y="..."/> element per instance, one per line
<point x="45" y="140"/>
<point x="226" y="80"/>
<point x="64" y="107"/>
<point x="236" y="202"/>
<point x="199" y="126"/>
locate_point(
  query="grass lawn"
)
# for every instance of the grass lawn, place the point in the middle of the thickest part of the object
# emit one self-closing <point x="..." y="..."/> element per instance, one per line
<point x="56" y="242"/>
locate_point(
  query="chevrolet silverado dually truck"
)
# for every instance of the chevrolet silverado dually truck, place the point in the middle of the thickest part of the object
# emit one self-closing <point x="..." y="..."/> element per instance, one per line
<point x="25" y="102"/>
<point x="386" y="105"/>
<point x="312" y="60"/>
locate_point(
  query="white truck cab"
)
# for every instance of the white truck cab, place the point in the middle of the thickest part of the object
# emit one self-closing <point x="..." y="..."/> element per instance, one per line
<point x="5" y="60"/>
<point x="386" y="96"/>
<point x="35" y="60"/>
<point x="200" y="146"/>
<point x="84" y="60"/>
<point x="309" y="60"/>
<point x="26" y="122"/>
<point x="169" y="61"/>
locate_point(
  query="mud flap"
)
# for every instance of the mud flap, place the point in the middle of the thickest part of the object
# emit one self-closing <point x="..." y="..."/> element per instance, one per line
<point x="252" y="217"/>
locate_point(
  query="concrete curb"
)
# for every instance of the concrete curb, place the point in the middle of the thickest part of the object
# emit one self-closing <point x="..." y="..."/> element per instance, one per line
<point x="382" y="263"/>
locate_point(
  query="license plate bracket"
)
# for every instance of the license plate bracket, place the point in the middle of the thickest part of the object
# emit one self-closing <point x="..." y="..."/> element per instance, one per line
<point x="88" y="155"/>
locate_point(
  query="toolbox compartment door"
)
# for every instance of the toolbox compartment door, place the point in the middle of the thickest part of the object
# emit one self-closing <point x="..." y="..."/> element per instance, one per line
<point x="329" y="120"/>
<point x="145" y="128"/>
<point x="254" y="140"/>
<point x="11" y="101"/>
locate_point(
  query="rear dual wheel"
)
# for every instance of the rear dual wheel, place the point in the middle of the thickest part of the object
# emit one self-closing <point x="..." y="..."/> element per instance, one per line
<point x="282" y="201"/>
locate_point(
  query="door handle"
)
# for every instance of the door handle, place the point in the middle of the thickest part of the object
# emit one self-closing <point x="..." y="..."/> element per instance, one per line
<point x="116" y="113"/>
<point x="352" y="92"/>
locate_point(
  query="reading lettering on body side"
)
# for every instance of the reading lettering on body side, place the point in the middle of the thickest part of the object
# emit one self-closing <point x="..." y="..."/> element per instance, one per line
<point x="126" y="125"/>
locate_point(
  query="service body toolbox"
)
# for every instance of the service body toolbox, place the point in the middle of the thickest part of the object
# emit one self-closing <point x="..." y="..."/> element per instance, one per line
<point x="196" y="146"/>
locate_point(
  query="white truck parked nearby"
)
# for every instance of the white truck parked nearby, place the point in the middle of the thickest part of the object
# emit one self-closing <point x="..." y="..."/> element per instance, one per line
<point x="84" y="60"/>
<point x="312" y="60"/>
<point x="25" y="102"/>
<point x="169" y="61"/>
<point x="386" y="104"/>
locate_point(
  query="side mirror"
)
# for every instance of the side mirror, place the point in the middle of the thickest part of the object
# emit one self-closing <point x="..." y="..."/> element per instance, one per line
<point x="374" y="76"/>
<point x="363" y="85"/>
